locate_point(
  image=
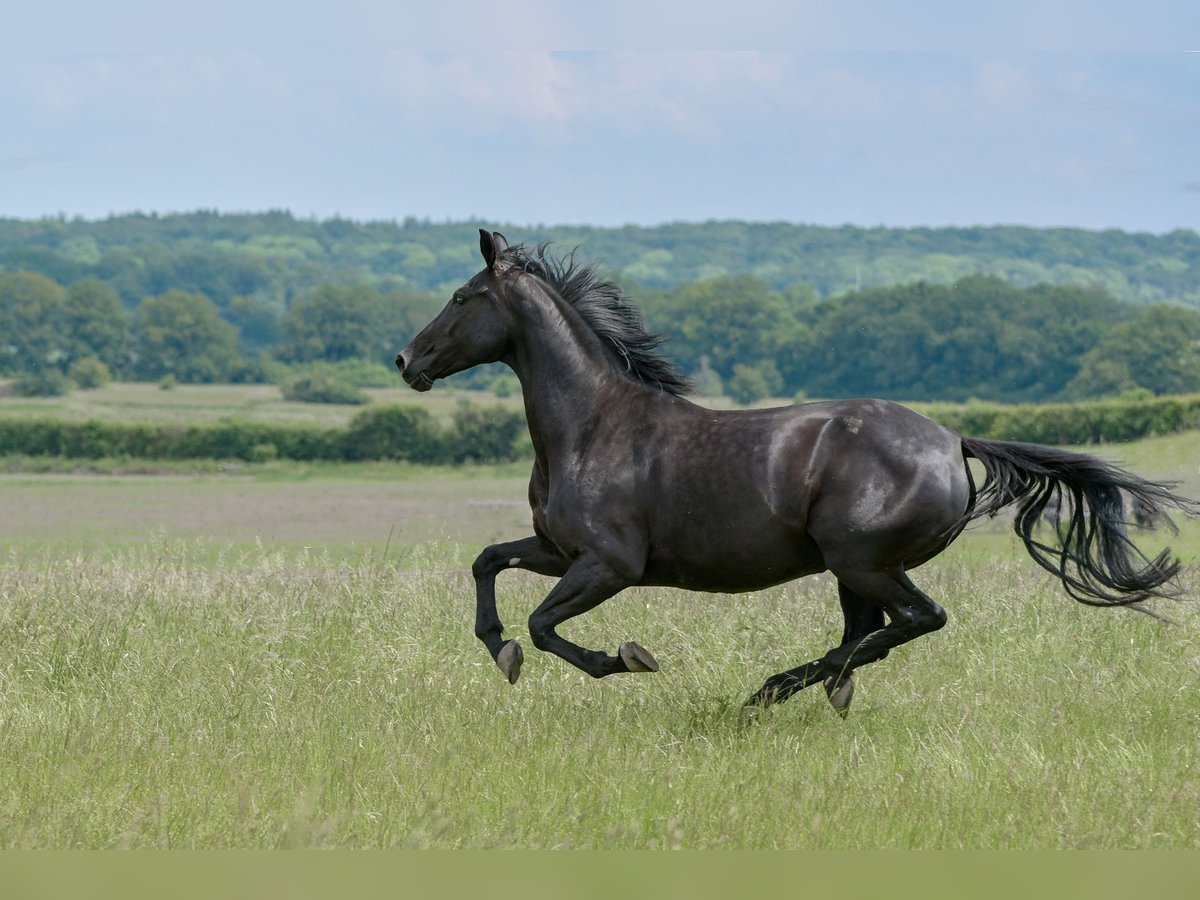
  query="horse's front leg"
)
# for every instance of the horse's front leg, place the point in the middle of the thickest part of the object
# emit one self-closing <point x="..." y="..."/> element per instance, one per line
<point x="587" y="583"/>
<point x="531" y="553"/>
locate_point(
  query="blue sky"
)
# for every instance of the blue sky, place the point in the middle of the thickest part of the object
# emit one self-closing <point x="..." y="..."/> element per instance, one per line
<point x="1078" y="114"/>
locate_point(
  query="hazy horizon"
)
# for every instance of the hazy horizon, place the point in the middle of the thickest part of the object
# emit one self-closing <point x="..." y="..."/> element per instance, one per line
<point x="475" y="221"/>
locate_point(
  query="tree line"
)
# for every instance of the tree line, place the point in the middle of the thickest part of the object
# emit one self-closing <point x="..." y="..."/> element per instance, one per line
<point x="48" y="328"/>
<point x="266" y="260"/>
<point x="750" y="309"/>
<point x="977" y="338"/>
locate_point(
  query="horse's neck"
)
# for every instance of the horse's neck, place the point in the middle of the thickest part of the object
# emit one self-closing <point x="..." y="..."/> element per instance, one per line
<point x="565" y="375"/>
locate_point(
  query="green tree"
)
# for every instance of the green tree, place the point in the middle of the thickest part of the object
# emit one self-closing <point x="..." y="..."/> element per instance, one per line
<point x="335" y="323"/>
<point x="405" y="313"/>
<point x="182" y="335"/>
<point x="728" y="320"/>
<point x="34" y="332"/>
<point x="257" y="319"/>
<point x="750" y="384"/>
<point x="980" y="337"/>
<point x="706" y="381"/>
<point x="1158" y="350"/>
<point x="97" y="323"/>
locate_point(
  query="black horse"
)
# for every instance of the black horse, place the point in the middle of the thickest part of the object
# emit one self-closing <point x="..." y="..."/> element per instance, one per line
<point x="635" y="485"/>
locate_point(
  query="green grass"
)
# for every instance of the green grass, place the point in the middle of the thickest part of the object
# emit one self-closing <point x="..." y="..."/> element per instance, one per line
<point x="152" y="699"/>
<point x="282" y="656"/>
<point x="199" y="403"/>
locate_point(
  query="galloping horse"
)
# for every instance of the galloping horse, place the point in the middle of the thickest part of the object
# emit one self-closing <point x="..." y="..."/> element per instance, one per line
<point x="634" y="485"/>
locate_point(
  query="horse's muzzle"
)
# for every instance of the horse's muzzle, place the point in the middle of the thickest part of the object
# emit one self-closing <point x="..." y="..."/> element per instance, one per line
<point x="418" y="381"/>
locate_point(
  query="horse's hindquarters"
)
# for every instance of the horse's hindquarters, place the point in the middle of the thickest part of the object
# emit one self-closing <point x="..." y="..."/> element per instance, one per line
<point x="891" y="497"/>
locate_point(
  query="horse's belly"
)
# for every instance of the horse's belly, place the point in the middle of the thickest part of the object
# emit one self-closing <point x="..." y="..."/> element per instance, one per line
<point x="733" y="566"/>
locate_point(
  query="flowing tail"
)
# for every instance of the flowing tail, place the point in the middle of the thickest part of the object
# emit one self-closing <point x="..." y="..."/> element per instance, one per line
<point x="1097" y="562"/>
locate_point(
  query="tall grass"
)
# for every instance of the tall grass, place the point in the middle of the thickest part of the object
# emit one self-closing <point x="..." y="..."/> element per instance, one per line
<point x="157" y="696"/>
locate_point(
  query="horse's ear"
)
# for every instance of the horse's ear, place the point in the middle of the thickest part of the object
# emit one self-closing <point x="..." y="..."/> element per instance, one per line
<point x="491" y="245"/>
<point x="487" y="246"/>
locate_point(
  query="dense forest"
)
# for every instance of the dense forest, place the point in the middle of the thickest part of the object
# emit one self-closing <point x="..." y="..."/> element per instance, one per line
<point x="750" y="309"/>
<point x="275" y="255"/>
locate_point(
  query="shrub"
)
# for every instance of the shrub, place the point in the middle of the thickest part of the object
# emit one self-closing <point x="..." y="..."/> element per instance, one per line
<point x="484" y="434"/>
<point x="322" y="387"/>
<point x="263" y="452"/>
<point x="495" y="434"/>
<point x="396" y="432"/>
<point x="89" y="373"/>
<point x="1097" y="422"/>
<point x="48" y="382"/>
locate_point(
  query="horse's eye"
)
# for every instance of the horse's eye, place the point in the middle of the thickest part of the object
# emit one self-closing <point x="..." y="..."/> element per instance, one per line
<point x="461" y="297"/>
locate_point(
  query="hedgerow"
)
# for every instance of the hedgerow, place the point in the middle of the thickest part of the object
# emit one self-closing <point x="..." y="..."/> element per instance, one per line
<point x="403" y="433"/>
<point x="495" y="434"/>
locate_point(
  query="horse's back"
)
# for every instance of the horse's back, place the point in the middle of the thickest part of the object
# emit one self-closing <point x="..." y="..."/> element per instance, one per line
<point x="767" y="495"/>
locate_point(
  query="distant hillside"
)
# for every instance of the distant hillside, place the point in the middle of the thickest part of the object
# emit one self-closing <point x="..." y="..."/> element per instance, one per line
<point x="275" y="256"/>
<point x="749" y="309"/>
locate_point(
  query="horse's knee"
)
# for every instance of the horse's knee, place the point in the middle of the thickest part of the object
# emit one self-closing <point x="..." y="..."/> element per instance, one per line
<point x="486" y="564"/>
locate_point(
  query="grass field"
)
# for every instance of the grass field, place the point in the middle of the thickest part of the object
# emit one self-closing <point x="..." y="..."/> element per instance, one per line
<point x="198" y="403"/>
<point x="189" y="404"/>
<point x="282" y="656"/>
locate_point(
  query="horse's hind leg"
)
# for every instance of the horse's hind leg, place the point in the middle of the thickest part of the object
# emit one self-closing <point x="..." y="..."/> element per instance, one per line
<point x="911" y="613"/>
<point x="862" y="617"/>
<point x="910" y="610"/>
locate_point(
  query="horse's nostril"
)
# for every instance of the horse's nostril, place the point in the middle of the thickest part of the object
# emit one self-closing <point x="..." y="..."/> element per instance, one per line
<point x="400" y="363"/>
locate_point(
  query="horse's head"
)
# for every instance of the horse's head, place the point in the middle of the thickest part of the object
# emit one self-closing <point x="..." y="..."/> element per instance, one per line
<point x="474" y="328"/>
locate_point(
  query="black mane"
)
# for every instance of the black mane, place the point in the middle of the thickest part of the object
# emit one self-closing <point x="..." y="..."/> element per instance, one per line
<point x="603" y="306"/>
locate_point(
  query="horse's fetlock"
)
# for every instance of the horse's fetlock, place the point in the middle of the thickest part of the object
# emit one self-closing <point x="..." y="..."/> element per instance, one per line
<point x="539" y="632"/>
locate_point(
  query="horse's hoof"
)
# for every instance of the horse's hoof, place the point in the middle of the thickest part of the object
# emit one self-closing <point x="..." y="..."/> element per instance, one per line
<point x="509" y="660"/>
<point x="637" y="658"/>
<point x="841" y="694"/>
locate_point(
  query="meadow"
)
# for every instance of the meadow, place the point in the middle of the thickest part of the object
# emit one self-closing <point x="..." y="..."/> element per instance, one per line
<point x="191" y="404"/>
<point x="281" y="655"/>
